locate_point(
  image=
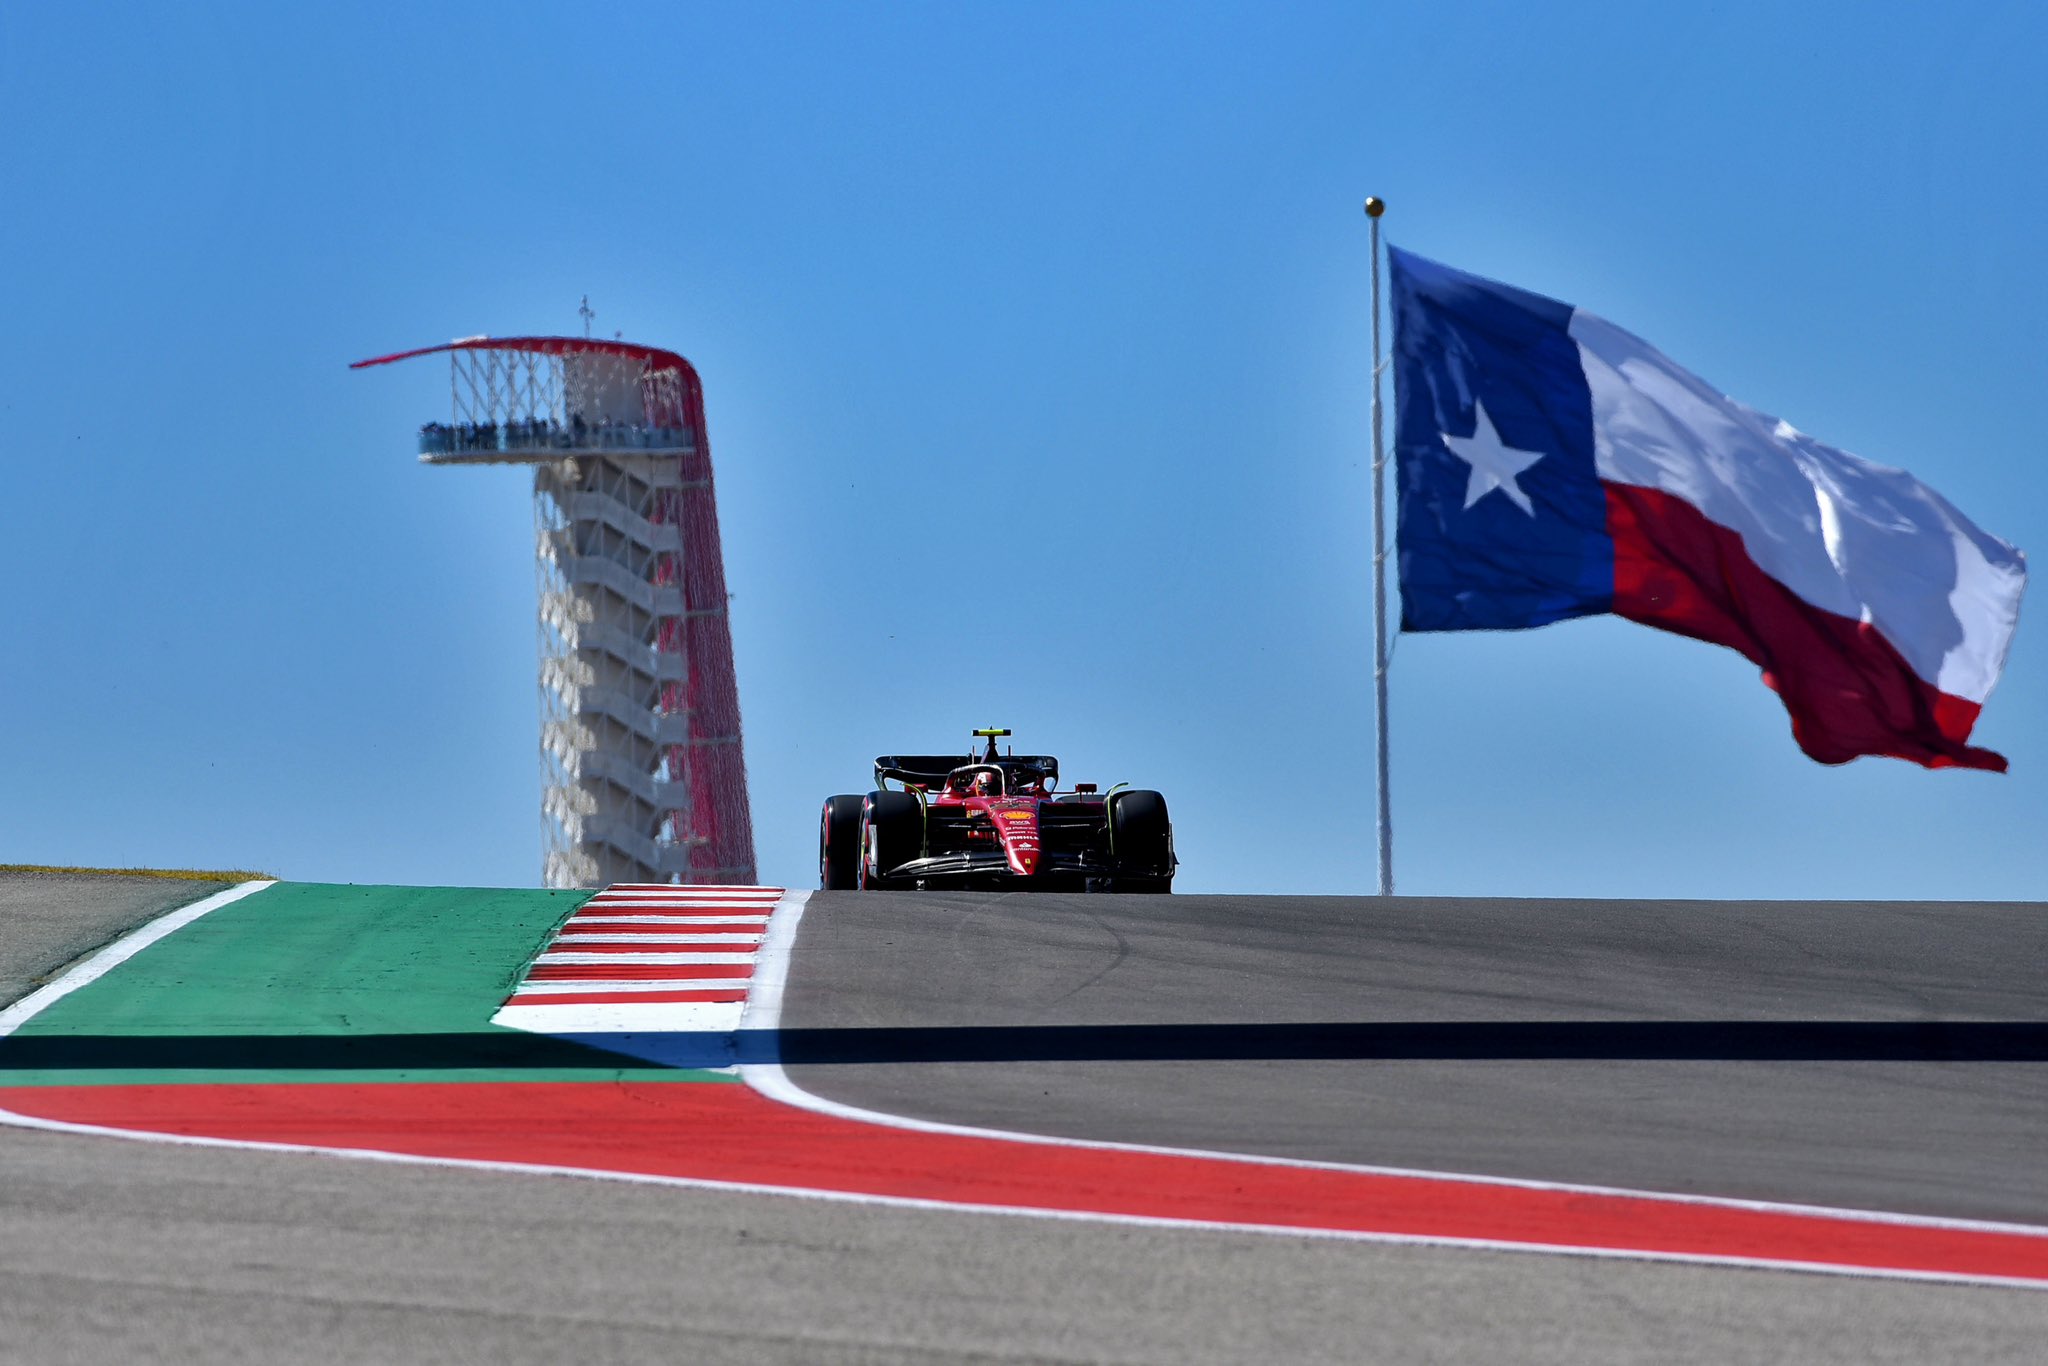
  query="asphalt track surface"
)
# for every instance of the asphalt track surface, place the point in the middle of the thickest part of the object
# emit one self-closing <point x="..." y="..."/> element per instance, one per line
<point x="49" y="919"/>
<point x="120" y="1250"/>
<point x="1888" y="1057"/>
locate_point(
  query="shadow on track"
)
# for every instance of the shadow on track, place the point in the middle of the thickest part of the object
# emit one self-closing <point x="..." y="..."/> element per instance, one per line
<point x="1458" y="1041"/>
<point x="1396" y="1041"/>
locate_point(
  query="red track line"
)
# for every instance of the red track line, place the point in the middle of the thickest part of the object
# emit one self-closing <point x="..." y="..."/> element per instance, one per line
<point x="635" y="971"/>
<point x="578" y="972"/>
<point x="731" y="1134"/>
<point x="715" y="914"/>
<point x="708" y="899"/>
<point x="558" y="947"/>
<point x="592" y="998"/>
<point x="668" y="934"/>
<point x="737" y="903"/>
<point x="689" y="889"/>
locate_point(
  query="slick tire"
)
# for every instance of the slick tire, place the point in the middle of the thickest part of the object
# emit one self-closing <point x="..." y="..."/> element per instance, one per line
<point x="839" y="844"/>
<point x="891" y="834"/>
<point x="1141" y="833"/>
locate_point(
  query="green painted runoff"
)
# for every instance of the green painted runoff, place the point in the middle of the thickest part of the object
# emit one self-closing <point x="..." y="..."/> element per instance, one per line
<point x="308" y="982"/>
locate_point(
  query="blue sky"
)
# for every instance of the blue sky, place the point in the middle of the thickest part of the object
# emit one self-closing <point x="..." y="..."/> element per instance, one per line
<point x="1090" y="277"/>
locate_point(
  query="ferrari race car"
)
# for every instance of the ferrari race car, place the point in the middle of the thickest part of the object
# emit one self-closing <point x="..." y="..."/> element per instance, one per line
<point x="996" y="821"/>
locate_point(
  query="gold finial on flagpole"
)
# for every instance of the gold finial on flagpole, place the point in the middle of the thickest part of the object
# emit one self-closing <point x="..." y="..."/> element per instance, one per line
<point x="1374" y="206"/>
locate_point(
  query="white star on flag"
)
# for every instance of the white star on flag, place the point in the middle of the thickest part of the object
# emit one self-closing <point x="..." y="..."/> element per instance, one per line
<point x="1495" y="465"/>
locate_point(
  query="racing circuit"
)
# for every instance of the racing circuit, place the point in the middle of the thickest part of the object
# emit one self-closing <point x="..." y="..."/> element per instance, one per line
<point x="1849" y="1086"/>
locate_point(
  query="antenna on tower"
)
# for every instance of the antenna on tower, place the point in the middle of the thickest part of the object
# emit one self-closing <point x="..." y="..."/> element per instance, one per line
<point x="588" y="313"/>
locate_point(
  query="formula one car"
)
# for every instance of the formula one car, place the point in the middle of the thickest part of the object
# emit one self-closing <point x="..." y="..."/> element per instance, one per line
<point x="996" y="821"/>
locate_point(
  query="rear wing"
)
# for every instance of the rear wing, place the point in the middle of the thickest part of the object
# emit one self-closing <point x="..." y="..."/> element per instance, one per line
<point x="930" y="770"/>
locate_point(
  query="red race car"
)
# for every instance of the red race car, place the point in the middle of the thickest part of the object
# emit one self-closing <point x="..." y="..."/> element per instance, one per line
<point x="998" y="821"/>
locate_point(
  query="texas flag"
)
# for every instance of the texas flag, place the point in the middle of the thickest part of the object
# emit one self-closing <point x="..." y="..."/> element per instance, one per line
<point x="1552" y="465"/>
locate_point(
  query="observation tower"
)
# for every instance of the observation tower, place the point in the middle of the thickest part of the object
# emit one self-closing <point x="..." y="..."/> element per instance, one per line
<point x="643" y="778"/>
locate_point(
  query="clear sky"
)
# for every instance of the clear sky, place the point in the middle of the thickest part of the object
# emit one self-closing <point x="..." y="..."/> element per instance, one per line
<point x="1035" y="344"/>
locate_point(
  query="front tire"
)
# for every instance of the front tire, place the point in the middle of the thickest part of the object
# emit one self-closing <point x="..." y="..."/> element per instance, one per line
<point x="839" y="844"/>
<point x="1141" y="836"/>
<point x="891" y="835"/>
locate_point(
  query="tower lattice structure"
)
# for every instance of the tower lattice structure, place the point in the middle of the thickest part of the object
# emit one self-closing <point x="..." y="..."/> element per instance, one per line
<point x="643" y="773"/>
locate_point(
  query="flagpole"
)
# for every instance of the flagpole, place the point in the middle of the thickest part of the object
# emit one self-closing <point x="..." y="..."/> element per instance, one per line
<point x="1374" y="207"/>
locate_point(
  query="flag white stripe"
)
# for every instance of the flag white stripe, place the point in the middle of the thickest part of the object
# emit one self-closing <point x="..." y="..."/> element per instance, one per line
<point x="1852" y="538"/>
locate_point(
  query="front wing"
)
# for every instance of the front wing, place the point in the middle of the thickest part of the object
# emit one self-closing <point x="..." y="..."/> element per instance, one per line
<point x="1073" y="853"/>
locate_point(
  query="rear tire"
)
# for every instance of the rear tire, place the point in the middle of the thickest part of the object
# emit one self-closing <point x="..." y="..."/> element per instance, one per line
<point x="839" y="845"/>
<point x="891" y="834"/>
<point x="1141" y="834"/>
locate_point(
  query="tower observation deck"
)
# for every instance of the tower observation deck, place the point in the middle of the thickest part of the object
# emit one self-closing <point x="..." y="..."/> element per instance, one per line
<point x="643" y="777"/>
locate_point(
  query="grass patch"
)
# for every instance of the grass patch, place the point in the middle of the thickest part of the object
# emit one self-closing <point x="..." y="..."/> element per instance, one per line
<point x="178" y="874"/>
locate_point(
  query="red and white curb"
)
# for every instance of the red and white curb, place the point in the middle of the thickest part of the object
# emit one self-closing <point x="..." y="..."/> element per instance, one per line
<point x="646" y="958"/>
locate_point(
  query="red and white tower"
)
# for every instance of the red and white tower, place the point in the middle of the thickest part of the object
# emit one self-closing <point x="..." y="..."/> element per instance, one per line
<point x="642" y="772"/>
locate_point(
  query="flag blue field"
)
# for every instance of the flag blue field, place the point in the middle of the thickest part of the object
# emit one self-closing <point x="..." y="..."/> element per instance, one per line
<point x="1552" y="465"/>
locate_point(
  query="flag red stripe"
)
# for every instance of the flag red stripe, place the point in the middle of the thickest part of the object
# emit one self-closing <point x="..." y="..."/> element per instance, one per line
<point x="1847" y="688"/>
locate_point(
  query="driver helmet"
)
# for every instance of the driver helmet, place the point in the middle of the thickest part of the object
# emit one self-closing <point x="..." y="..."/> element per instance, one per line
<point x="983" y="784"/>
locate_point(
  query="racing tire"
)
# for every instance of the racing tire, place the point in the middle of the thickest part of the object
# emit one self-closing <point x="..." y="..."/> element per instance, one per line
<point x="839" y="844"/>
<point x="891" y="835"/>
<point x="1141" y="834"/>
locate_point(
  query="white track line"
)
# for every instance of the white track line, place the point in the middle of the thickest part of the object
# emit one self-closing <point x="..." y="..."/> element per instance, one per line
<point x="120" y="951"/>
<point x="693" y="892"/>
<point x="758" y="921"/>
<point x="764" y="1016"/>
<point x="659" y="959"/>
<point x="582" y="1019"/>
<point x="576" y="986"/>
<point x="943" y="1206"/>
<point x="760" y="907"/>
<point x="655" y="937"/>
<point x="707" y="902"/>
